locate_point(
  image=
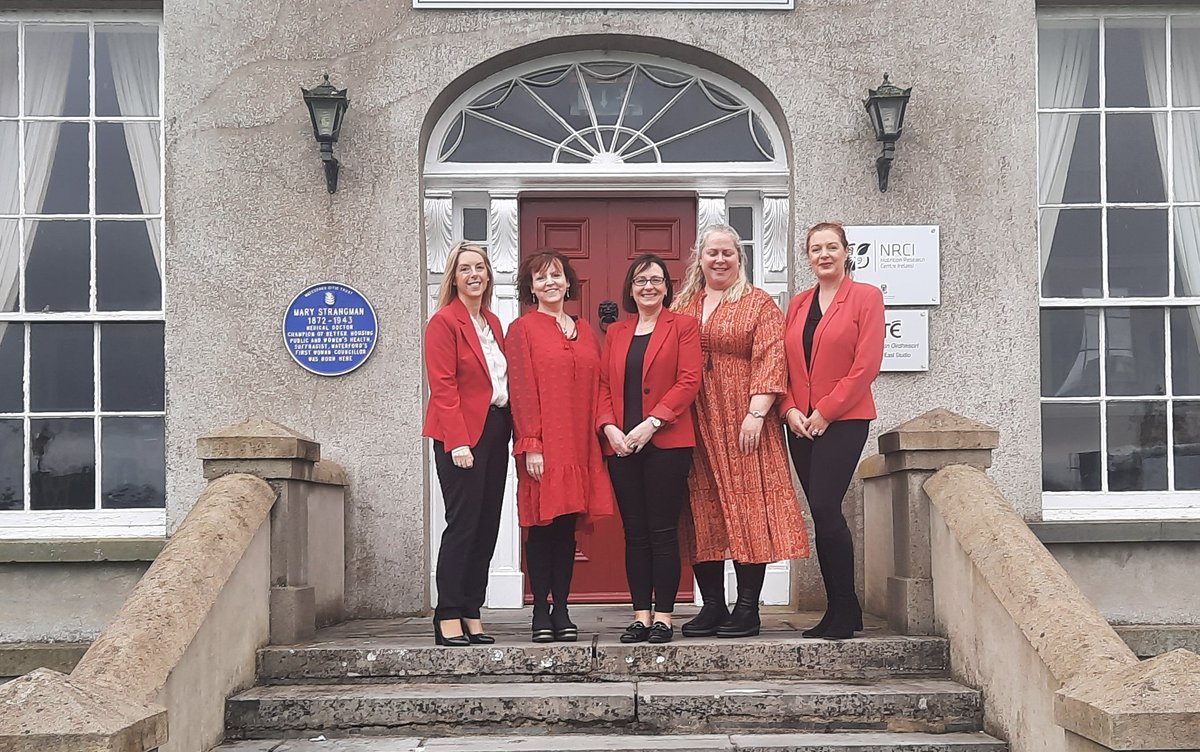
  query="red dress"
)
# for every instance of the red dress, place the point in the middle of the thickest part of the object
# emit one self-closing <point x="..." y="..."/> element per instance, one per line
<point x="552" y="385"/>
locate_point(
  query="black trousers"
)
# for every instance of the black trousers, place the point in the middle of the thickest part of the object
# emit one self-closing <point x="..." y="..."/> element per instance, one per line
<point x="825" y="467"/>
<point x="474" y="499"/>
<point x="651" y="489"/>
<point x="550" y="561"/>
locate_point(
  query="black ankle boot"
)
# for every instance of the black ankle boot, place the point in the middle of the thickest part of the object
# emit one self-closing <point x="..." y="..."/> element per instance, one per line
<point x="818" y="629"/>
<point x="744" y="621"/>
<point x="845" y="619"/>
<point x="564" y="629"/>
<point x="710" y="576"/>
<point x="543" y="628"/>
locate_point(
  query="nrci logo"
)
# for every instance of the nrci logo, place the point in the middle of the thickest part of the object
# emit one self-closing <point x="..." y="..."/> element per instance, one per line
<point x="861" y="259"/>
<point x="329" y="299"/>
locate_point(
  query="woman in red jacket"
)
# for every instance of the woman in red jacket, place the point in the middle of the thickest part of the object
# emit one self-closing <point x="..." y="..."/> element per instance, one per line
<point x="555" y="372"/>
<point x="469" y="422"/>
<point x="649" y="377"/>
<point x="834" y="343"/>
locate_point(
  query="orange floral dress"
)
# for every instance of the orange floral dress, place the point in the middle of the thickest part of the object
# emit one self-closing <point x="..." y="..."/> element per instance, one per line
<point x="743" y="507"/>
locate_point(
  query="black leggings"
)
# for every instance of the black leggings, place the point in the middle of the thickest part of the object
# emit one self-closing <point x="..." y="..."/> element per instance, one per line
<point x="474" y="498"/>
<point x="550" y="560"/>
<point x="651" y="488"/>
<point x="825" y="467"/>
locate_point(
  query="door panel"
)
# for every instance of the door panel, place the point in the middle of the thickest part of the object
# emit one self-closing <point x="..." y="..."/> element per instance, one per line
<point x="601" y="237"/>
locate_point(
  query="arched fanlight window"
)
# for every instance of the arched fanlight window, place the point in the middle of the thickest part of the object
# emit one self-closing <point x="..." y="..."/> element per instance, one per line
<point x="606" y="113"/>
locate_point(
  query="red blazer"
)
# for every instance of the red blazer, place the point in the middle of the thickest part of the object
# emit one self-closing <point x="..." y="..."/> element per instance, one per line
<point x="847" y="352"/>
<point x="670" y="378"/>
<point x="460" y="385"/>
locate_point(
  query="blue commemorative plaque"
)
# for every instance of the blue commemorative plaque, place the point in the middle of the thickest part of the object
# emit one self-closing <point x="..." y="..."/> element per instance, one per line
<point x="330" y="329"/>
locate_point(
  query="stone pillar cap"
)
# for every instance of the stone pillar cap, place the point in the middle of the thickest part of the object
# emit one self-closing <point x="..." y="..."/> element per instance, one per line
<point x="257" y="438"/>
<point x="939" y="429"/>
<point x="50" y="712"/>
<point x="1153" y="704"/>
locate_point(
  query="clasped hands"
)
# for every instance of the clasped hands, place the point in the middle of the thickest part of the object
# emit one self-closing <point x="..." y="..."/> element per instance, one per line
<point x="625" y="444"/>
<point x="809" y="427"/>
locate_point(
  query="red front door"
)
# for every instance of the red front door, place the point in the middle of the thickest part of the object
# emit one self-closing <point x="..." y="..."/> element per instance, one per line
<point x="601" y="237"/>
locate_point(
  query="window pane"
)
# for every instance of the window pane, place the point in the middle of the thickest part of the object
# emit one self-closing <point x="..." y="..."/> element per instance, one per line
<point x="10" y="265"/>
<point x="1187" y="445"/>
<point x="9" y="179"/>
<point x="564" y="97"/>
<point x="730" y="139"/>
<point x="126" y="70"/>
<point x="1186" y="149"/>
<point x="58" y="268"/>
<point x="134" y="462"/>
<point x="1071" y="352"/>
<point x="56" y="70"/>
<point x="1135" y="62"/>
<point x="1134" y="351"/>
<point x="484" y="142"/>
<point x="741" y="218"/>
<point x="127" y="168"/>
<point x="1068" y="63"/>
<point x="127" y="276"/>
<point x="1071" y="243"/>
<point x="1069" y="158"/>
<point x="60" y="367"/>
<point x="607" y="84"/>
<point x="1135" y="161"/>
<point x="8" y="70"/>
<point x="62" y="464"/>
<point x="56" y="168"/>
<point x="1185" y="350"/>
<point x="1137" y="252"/>
<point x="1137" y="446"/>
<point x="1187" y="250"/>
<point x="475" y="225"/>
<point x="1071" y="447"/>
<point x="12" y="367"/>
<point x="132" y="370"/>
<point x="1185" y="42"/>
<point x="12" y="465"/>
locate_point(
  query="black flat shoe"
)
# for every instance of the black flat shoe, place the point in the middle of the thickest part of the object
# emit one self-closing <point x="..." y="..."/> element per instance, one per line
<point x="635" y="632"/>
<point x="712" y="615"/>
<point x="661" y="633"/>
<point x="478" y="638"/>
<point x="543" y="628"/>
<point x="818" y="629"/>
<point x="458" y="641"/>
<point x="564" y="629"/>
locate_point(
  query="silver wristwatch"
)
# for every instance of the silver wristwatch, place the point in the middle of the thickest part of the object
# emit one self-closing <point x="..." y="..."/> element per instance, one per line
<point x="757" y="414"/>
<point x="655" y="422"/>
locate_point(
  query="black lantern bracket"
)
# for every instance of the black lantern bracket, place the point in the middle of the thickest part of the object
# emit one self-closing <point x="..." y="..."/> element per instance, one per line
<point x="886" y="107"/>
<point x="326" y="107"/>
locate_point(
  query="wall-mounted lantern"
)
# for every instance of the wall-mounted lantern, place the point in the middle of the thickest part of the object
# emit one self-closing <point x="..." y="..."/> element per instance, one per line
<point x="886" y="107"/>
<point x="326" y="107"/>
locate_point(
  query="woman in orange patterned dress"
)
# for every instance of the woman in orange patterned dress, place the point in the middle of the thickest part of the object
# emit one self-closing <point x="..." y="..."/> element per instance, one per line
<point x="743" y="504"/>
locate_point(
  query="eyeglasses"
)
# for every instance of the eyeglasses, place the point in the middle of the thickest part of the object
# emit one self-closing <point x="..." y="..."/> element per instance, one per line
<point x="644" y="281"/>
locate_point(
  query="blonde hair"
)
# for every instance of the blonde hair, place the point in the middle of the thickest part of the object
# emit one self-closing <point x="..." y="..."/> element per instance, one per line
<point x="693" y="278"/>
<point x="448" y="289"/>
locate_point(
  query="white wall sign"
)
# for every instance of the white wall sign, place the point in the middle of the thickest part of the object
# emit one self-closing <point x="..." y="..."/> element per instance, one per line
<point x="905" y="340"/>
<point x="902" y="260"/>
<point x="611" y="4"/>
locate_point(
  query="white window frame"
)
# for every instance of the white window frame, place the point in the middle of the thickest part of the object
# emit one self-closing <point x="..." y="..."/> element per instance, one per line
<point x="1106" y="504"/>
<point x="96" y="522"/>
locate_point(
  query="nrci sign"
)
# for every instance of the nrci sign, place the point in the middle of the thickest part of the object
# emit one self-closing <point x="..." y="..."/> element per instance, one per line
<point x="905" y="340"/>
<point x="611" y="4"/>
<point x="902" y="260"/>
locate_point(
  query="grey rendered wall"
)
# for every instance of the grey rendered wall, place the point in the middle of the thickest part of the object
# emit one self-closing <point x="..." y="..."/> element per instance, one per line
<point x="249" y="222"/>
<point x="63" y="602"/>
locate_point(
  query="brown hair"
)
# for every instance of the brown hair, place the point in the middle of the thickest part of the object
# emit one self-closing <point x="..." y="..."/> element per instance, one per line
<point x="641" y="263"/>
<point x="448" y="289"/>
<point x="538" y="262"/>
<point x="838" y="229"/>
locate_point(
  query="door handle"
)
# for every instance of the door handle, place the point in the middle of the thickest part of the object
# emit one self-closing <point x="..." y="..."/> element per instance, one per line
<point x="608" y="312"/>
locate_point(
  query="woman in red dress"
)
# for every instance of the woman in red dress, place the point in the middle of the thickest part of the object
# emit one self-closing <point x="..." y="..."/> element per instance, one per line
<point x="554" y="374"/>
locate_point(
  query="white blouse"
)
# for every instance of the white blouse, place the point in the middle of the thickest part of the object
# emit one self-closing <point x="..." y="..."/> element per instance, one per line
<point x="497" y="365"/>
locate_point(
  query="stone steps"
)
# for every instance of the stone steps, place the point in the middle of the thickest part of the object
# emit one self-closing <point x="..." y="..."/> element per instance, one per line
<point x="867" y="741"/>
<point x="354" y="660"/>
<point x="897" y="704"/>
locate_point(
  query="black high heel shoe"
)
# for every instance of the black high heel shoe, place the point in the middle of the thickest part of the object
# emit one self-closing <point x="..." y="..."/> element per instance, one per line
<point x="846" y="619"/>
<point x="477" y="638"/>
<point x="564" y="629"/>
<point x="458" y="641"/>
<point x="818" y="629"/>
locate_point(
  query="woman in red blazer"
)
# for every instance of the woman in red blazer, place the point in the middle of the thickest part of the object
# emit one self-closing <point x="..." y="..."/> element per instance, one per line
<point x="469" y="421"/>
<point x="834" y="343"/>
<point x="649" y="377"/>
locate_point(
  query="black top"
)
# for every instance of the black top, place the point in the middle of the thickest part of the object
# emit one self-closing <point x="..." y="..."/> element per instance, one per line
<point x="633" y="381"/>
<point x="810" y="328"/>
